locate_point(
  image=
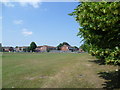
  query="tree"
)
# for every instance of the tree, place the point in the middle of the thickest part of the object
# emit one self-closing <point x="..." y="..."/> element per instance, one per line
<point x="59" y="46"/>
<point x="11" y="49"/>
<point x="65" y="43"/>
<point x="85" y="47"/>
<point x="0" y="47"/>
<point x="33" y="46"/>
<point x="16" y="47"/>
<point x="28" y="49"/>
<point x="76" y="47"/>
<point x="100" y="29"/>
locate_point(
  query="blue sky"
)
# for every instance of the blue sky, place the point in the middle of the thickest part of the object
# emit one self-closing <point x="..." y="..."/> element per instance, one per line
<point x="46" y="23"/>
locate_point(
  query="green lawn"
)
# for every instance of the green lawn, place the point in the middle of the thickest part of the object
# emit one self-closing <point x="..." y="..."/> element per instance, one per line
<point x="52" y="70"/>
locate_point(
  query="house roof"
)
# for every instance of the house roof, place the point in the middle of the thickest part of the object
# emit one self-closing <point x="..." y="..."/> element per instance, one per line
<point x="39" y="46"/>
<point x="22" y="47"/>
<point x="48" y="46"/>
<point x="6" y="47"/>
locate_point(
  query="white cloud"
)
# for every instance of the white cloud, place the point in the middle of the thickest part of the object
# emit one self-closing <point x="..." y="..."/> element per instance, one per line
<point x="25" y="32"/>
<point x="33" y="3"/>
<point x="18" y="21"/>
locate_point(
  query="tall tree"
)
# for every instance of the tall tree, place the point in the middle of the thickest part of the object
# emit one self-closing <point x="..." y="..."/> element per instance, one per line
<point x="16" y="47"/>
<point x="33" y="46"/>
<point x="59" y="46"/>
<point x="0" y="47"/>
<point x="65" y="43"/>
<point x="100" y="28"/>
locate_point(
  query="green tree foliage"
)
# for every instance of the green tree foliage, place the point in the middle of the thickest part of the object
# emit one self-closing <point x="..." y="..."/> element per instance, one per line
<point x="61" y="44"/>
<point x="28" y="49"/>
<point x="32" y="46"/>
<point x="85" y="47"/>
<point x="11" y="49"/>
<point x="75" y="47"/>
<point x="16" y="47"/>
<point x="65" y="43"/>
<point x="100" y="28"/>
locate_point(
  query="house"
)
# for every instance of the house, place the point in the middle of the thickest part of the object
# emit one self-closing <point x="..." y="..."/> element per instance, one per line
<point x="65" y="48"/>
<point x="69" y="48"/>
<point x="45" y="48"/>
<point x="20" y="49"/>
<point x="8" y="49"/>
<point x="38" y="49"/>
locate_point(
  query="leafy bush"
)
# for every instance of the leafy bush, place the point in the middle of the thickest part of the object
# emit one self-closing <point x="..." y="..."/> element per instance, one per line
<point x="100" y="28"/>
<point x="110" y="56"/>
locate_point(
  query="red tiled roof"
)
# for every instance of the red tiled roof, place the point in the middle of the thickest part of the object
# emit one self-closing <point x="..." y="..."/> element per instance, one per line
<point x="39" y="46"/>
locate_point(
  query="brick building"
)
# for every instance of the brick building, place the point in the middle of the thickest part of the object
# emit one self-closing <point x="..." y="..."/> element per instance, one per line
<point x="45" y="48"/>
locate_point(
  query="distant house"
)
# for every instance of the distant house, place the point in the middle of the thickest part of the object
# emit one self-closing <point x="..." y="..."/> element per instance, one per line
<point x="38" y="49"/>
<point x="65" y="48"/>
<point x="68" y="48"/>
<point x="45" y="48"/>
<point x="20" y="49"/>
<point x="8" y="49"/>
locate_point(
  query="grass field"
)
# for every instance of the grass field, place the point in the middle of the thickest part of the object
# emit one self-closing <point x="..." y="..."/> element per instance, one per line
<point x="53" y="70"/>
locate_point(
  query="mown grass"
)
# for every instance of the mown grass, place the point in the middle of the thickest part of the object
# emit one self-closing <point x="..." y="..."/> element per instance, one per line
<point x="52" y="70"/>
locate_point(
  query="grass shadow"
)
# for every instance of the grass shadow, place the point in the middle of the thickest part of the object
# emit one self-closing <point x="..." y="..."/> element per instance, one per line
<point x="100" y="62"/>
<point x="112" y="79"/>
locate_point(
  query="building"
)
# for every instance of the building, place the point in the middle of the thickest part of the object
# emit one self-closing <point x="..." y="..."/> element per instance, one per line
<point x="45" y="48"/>
<point x="38" y="49"/>
<point x="69" y="48"/>
<point x="20" y="49"/>
<point x="65" y="48"/>
<point x="7" y="49"/>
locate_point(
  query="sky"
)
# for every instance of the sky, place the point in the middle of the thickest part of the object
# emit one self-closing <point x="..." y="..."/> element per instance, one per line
<point x="45" y="23"/>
